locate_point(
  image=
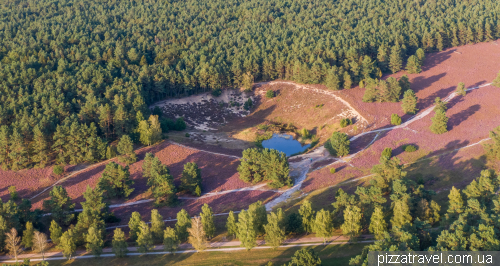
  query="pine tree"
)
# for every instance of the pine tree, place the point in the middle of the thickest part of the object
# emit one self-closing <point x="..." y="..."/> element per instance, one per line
<point x="182" y="224"/>
<point x="134" y="225"/>
<point x="352" y="221"/>
<point x="338" y="144"/>
<point x="207" y="220"/>
<point x="401" y="214"/>
<point x="307" y="215"/>
<point x="420" y="55"/>
<point x="197" y="237"/>
<point x="395" y="120"/>
<point x="388" y="171"/>
<point x="28" y="235"/>
<point x="191" y="177"/>
<point x="396" y="60"/>
<point x="40" y="243"/>
<point x="120" y="246"/>
<point x="323" y="225"/>
<point x="93" y="214"/>
<point x="231" y="226"/>
<point x="154" y="129"/>
<point x="157" y="224"/>
<point x="94" y="241"/>
<point x="456" y="204"/>
<point x="305" y="256"/>
<point x="170" y="240"/>
<point x="115" y="181"/>
<point x="18" y="154"/>
<point x="126" y="148"/>
<point x="383" y="58"/>
<point x="258" y="211"/>
<point x="60" y="206"/>
<point x="435" y="216"/>
<point x="13" y="243"/>
<point x="67" y="244"/>
<point x="55" y="232"/>
<point x="144" y="238"/>
<point x="413" y="65"/>
<point x="409" y="103"/>
<point x="377" y="223"/>
<point x="439" y="123"/>
<point x="461" y="90"/>
<point x="275" y="229"/>
<point x="39" y="148"/>
<point x="347" y="80"/>
<point x="332" y="81"/>
<point x="247" y="232"/>
<point x="144" y="131"/>
<point x="496" y="83"/>
<point x="4" y="147"/>
<point x="440" y="105"/>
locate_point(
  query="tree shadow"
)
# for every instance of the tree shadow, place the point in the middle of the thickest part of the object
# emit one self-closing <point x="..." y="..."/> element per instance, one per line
<point x="421" y="82"/>
<point x="434" y="59"/>
<point x="461" y="116"/>
<point x="429" y="101"/>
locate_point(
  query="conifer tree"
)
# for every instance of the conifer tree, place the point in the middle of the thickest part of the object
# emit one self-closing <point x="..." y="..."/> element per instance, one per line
<point x="435" y="216"/>
<point x="191" y="177"/>
<point x="404" y="83"/>
<point x="39" y="148"/>
<point x="409" y="102"/>
<point x="67" y="244"/>
<point x="347" y="80"/>
<point x="456" y="203"/>
<point x="119" y="244"/>
<point x="305" y="256"/>
<point x="115" y="181"/>
<point x="60" y="206"/>
<point x="323" y="225"/>
<point x="28" y="235"/>
<point x="338" y="144"/>
<point x="496" y="81"/>
<point x="40" y="244"/>
<point x="401" y="214"/>
<point x="144" y="131"/>
<point x="493" y="150"/>
<point x="170" y="240"/>
<point x="440" y="105"/>
<point x="258" y="211"/>
<point x="55" y="232"/>
<point x="134" y="225"/>
<point x="395" y="120"/>
<point x="182" y="224"/>
<point x="275" y="229"/>
<point x="247" y="232"/>
<point x="352" y="221"/>
<point x="144" y="238"/>
<point x="332" y="81"/>
<point x="461" y="90"/>
<point x="383" y="58"/>
<point x="18" y="154"/>
<point x="94" y="241"/>
<point x="126" y="148"/>
<point x="377" y="223"/>
<point x="197" y="237"/>
<point x="388" y="171"/>
<point x="4" y="147"/>
<point x="207" y="220"/>
<point x="232" y="228"/>
<point x="307" y="215"/>
<point x="420" y="55"/>
<point x="395" y="60"/>
<point x="157" y="224"/>
<point x="439" y="123"/>
<point x="155" y="133"/>
<point x="413" y="65"/>
<point x="93" y="214"/>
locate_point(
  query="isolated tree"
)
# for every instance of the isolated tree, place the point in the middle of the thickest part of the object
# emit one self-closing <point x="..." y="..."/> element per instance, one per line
<point x="247" y="231"/>
<point x="119" y="243"/>
<point x="409" y="102"/>
<point x="170" y="240"/>
<point x="387" y="153"/>
<point x="395" y="120"/>
<point x="115" y="181"/>
<point x="323" y="225"/>
<point x="197" y="237"/>
<point x="352" y="221"/>
<point x="232" y="228"/>
<point x="160" y="182"/>
<point x="55" y="232"/>
<point x="413" y="65"/>
<point x="157" y="224"/>
<point x="305" y="256"/>
<point x="377" y="223"/>
<point x="493" y="149"/>
<point x="207" y="220"/>
<point x="338" y="144"/>
<point x="496" y="81"/>
<point x="182" y="224"/>
<point x="13" y="243"/>
<point x="401" y="213"/>
<point x="144" y="238"/>
<point x="191" y="177"/>
<point x="439" y="123"/>
<point x="28" y="235"/>
<point x="461" y="90"/>
<point x="40" y="243"/>
<point x="134" y="225"/>
<point x="395" y="59"/>
<point x="60" y="205"/>
<point x="275" y="228"/>
<point x="440" y="105"/>
<point x="308" y="216"/>
<point x="68" y="244"/>
<point x="94" y="241"/>
<point x="265" y="165"/>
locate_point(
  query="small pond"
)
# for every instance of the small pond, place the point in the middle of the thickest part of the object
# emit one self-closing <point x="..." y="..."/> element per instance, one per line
<point x="284" y="143"/>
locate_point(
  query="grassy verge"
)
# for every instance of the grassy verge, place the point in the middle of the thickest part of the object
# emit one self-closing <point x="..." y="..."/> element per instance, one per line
<point x="330" y="255"/>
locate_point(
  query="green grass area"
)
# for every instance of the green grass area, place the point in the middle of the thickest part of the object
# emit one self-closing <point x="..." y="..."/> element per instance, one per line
<point x="330" y="255"/>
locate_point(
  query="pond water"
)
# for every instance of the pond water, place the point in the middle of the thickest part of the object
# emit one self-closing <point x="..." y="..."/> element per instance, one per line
<point x="284" y="143"/>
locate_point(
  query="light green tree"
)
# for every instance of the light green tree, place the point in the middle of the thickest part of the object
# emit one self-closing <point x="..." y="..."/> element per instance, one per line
<point x="170" y="240"/>
<point x="323" y="225"/>
<point x="144" y="238"/>
<point x="207" y="220"/>
<point x="134" y="225"/>
<point x="68" y="244"/>
<point x="247" y="232"/>
<point x="182" y="224"/>
<point x="28" y="235"/>
<point x="55" y="232"/>
<point x="94" y="241"/>
<point x="232" y="228"/>
<point x="307" y="214"/>
<point x="378" y="224"/>
<point x="275" y="229"/>
<point x="157" y="224"/>
<point x="119" y="243"/>
<point x="352" y="221"/>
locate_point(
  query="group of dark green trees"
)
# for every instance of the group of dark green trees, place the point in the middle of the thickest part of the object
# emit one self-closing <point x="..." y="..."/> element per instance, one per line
<point x="265" y="165"/>
<point x="89" y="80"/>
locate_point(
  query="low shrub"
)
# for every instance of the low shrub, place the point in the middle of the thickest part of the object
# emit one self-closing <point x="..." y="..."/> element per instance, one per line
<point x="270" y="94"/>
<point x="216" y="92"/>
<point x="410" y="148"/>
<point x="387" y="153"/>
<point x="345" y="122"/>
<point x="332" y="170"/>
<point x="395" y="120"/>
<point x="58" y="170"/>
<point x="187" y="135"/>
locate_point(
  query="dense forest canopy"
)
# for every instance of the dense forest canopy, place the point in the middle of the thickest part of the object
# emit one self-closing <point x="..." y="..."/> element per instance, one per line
<point x="87" y="61"/>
